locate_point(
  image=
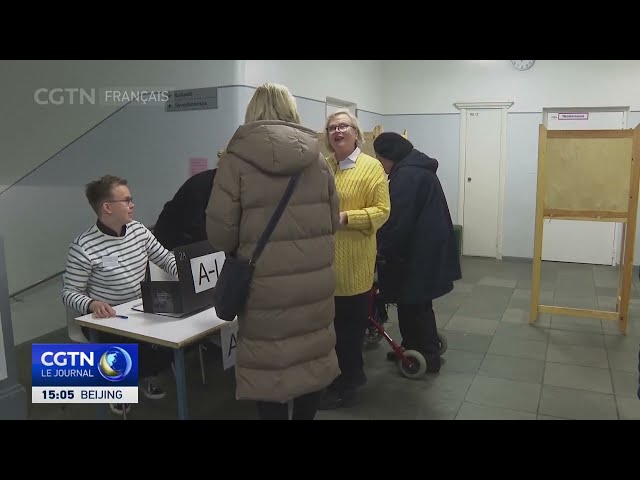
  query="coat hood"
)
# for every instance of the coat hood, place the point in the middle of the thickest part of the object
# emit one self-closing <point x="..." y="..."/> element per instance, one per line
<point x="275" y="147"/>
<point x="418" y="159"/>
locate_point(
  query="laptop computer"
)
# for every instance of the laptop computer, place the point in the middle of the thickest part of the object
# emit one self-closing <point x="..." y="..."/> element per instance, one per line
<point x="199" y="265"/>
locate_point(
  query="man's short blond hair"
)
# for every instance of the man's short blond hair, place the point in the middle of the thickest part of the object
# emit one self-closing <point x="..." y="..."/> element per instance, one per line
<point x="98" y="191"/>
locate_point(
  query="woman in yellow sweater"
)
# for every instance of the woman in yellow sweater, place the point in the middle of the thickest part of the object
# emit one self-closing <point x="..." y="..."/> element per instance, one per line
<point x="363" y="191"/>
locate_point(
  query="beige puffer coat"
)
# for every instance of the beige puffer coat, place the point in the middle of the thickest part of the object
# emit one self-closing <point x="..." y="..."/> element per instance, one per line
<point x="286" y="339"/>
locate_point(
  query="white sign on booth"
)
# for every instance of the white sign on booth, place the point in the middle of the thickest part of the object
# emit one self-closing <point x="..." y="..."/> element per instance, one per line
<point x="205" y="270"/>
<point x="229" y="342"/>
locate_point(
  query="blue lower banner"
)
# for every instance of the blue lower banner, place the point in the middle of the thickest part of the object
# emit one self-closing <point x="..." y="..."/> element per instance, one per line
<point x="84" y="373"/>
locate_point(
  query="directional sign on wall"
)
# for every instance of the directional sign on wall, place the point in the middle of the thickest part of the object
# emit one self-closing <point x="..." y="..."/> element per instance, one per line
<point x="193" y="99"/>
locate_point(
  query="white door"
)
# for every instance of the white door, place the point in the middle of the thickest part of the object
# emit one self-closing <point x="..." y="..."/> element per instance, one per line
<point x="483" y="141"/>
<point x="333" y="105"/>
<point x="574" y="240"/>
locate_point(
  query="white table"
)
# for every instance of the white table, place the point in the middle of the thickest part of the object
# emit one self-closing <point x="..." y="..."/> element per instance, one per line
<point x="176" y="333"/>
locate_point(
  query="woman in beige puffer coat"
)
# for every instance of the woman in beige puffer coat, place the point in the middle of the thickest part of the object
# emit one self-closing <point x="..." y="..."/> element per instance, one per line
<point x="286" y="338"/>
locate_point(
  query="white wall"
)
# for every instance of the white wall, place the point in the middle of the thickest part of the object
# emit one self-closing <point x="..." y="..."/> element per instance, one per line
<point x="42" y="213"/>
<point x="31" y="133"/>
<point x="520" y="187"/>
<point x="368" y="120"/>
<point x="433" y="86"/>
<point x="357" y="81"/>
<point x="521" y="184"/>
<point x="437" y="136"/>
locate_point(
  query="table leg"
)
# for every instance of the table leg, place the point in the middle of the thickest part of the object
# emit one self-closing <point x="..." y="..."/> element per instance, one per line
<point x="181" y="384"/>
<point x="102" y="408"/>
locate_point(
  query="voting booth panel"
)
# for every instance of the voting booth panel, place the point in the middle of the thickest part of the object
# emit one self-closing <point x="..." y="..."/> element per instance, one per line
<point x="589" y="175"/>
<point x="199" y="265"/>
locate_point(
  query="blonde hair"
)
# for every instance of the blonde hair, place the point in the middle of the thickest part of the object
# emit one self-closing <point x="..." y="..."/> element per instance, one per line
<point x="272" y="101"/>
<point x="354" y="124"/>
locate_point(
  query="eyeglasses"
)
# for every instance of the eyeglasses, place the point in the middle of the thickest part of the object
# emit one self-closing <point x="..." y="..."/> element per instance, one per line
<point x="338" y="128"/>
<point x="128" y="201"/>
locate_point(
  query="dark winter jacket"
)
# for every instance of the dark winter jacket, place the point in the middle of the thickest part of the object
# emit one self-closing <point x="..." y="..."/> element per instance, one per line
<point x="182" y="220"/>
<point x="417" y="243"/>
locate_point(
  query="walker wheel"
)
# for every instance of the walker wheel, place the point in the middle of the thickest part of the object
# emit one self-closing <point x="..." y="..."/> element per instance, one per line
<point x="442" y="343"/>
<point x="372" y="336"/>
<point x="418" y="365"/>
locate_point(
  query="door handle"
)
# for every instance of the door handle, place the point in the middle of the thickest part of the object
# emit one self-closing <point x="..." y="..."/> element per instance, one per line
<point x="469" y="179"/>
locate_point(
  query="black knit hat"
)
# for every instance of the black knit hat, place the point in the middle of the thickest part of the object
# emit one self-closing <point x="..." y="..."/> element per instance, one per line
<point x="392" y="146"/>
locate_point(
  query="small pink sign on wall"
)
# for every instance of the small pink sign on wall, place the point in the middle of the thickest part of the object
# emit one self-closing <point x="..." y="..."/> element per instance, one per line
<point x="197" y="165"/>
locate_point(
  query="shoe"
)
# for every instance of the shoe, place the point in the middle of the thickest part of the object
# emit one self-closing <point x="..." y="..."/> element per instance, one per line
<point x="151" y="390"/>
<point x="120" y="408"/>
<point x="332" y="399"/>
<point x="391" y="356"/>
<point x="432" y="368"/>
<point x="361" y="382"/>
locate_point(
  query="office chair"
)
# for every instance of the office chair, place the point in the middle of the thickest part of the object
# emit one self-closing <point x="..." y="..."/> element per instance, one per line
<point x="73" y="329"/>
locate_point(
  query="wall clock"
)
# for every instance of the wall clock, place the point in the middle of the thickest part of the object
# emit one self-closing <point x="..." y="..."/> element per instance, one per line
<point x="522" y="65"/>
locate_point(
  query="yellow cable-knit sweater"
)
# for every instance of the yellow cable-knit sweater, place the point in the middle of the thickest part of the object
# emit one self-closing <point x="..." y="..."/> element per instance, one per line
<point x="364" y="196"/>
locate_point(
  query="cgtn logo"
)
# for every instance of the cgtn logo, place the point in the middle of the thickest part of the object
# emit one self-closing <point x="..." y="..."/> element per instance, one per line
<point x="111" y="96"/>
<point x="84" y="373"/>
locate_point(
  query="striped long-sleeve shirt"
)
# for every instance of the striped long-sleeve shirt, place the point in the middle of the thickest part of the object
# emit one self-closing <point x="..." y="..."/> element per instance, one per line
<point x="108" y="268"/>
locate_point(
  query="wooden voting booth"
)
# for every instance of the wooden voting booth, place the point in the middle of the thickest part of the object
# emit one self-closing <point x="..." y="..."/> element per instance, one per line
<point x="588" y="175"/>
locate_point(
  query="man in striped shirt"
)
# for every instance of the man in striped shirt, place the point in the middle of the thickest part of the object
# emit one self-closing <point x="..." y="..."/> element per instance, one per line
<point x="105" y="266"/>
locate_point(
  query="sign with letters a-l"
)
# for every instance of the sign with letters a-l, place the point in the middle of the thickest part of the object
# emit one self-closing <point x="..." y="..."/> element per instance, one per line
<point x="229" y="342"/>
<point x="206" y="269"/>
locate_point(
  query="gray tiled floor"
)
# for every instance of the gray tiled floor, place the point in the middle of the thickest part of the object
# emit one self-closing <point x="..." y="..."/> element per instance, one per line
<point x="497" y="365"/>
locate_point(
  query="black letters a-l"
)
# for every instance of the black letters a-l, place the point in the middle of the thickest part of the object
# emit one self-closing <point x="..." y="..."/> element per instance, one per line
<point x="203" y="273"/>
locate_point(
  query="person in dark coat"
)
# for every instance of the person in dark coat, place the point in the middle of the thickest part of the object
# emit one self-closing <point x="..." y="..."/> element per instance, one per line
<point x="182" y="220"/>
<point x="417" y="246"/>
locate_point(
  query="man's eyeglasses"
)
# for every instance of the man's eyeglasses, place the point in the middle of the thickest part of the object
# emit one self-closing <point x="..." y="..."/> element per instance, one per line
<point x="128" y="201"/>
<point x="338" y="128"/>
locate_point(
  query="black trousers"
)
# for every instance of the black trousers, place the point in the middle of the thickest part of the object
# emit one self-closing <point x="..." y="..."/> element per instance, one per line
<point x="152" y="359"/>
<point x="350" y="322"/>
<point x="304" y="408"/>
<point x="419" y="330"/>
